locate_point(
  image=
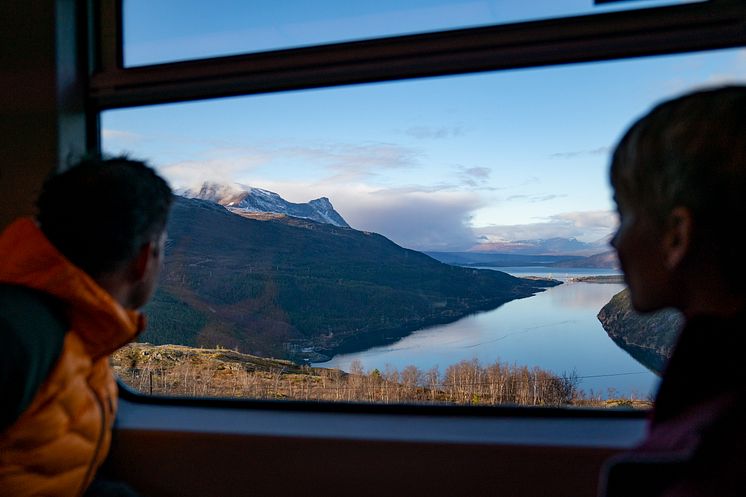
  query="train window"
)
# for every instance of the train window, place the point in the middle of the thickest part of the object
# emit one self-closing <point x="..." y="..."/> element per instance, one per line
<point x="167" y="31"/>
<point x="439" y="240"/>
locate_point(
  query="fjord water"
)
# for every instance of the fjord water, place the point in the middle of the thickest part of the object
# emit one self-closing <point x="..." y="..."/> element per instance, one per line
<point x="556" y="330"/>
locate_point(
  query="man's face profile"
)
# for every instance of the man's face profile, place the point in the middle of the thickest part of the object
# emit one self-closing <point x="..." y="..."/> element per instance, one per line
<point x="152" y="266"/>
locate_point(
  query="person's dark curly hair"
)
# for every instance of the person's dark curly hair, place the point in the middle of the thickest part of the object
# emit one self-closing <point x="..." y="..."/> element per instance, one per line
<point x="101" y="211"/>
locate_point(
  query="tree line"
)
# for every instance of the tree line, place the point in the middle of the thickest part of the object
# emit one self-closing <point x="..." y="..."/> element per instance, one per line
<point x="220" y="373"/>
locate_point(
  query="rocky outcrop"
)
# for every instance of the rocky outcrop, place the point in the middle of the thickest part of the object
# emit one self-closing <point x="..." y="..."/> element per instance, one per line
<point x="649" y="338"/>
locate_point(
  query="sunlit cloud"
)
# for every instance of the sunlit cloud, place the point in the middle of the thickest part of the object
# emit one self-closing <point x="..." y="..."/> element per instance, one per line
<point x="588" y="226"/>
<point x="589" y="220"/>
<point x="191" y="174"/>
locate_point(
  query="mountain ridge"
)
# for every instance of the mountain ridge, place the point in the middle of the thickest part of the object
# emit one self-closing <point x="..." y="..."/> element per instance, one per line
<point x="250" y="199"/>
<point x="294" y="288"/>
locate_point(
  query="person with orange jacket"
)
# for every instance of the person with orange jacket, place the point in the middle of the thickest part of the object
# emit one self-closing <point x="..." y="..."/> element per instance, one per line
<point x="71" y="282"/>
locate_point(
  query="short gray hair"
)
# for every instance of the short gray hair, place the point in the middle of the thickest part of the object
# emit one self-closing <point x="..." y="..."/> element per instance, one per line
<point x="690" y="152"/>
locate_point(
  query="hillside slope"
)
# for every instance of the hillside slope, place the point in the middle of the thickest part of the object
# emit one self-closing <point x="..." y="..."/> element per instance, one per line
<point x="288" y="287"/>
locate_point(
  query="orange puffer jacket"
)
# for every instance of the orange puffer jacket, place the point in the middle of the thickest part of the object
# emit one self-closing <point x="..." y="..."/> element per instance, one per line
<point x="55" y="447"/>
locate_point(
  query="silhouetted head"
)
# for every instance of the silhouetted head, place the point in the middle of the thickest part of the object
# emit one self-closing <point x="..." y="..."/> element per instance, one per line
<point x="681" y="170"/>
<point x="101" y="212"/>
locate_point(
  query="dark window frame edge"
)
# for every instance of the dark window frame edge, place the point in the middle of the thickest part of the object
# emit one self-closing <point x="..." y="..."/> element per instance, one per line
<point x="674" y="29"/>
<point x="440" y="410"/>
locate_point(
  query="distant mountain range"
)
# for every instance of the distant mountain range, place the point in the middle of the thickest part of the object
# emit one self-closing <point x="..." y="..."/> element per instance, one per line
<point x="295" y="288"/>
<point x="605" y="260"/>
<point x="242" y="198"/>
<point x="548" y="246"/>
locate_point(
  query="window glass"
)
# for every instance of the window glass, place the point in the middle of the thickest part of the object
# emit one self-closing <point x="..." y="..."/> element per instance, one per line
<point x="169" y="30"/>
<point x="296" y="264"/>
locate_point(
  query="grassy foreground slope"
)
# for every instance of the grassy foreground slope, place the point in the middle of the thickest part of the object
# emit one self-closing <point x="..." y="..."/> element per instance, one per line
<point x="173" y="370"/>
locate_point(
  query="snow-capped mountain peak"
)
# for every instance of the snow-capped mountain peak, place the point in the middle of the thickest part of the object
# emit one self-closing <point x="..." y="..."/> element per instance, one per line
<point x="251" y="199"/>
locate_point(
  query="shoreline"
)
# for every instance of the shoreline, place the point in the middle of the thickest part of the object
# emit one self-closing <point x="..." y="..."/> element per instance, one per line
<point x="611" y="278"/>
<point x="386" y="336"/>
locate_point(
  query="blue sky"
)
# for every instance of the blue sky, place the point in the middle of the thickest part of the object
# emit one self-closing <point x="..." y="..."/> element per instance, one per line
<point x="434" y="164"/>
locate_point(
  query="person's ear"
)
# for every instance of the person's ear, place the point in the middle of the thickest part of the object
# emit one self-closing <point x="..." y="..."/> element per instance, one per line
<point x="677" y="239"/>
<point x="141" y="263"/>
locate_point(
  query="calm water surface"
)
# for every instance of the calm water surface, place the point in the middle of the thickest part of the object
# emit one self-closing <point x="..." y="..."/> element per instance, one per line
<point x="556" y="329"/>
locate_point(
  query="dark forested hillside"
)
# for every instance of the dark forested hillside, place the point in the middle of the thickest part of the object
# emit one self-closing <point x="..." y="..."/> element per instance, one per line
<point x="289" y="287"/>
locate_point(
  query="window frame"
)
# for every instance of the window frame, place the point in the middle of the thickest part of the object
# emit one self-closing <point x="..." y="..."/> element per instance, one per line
<point x="713" y="24"/>
<point x="710" y="25"/>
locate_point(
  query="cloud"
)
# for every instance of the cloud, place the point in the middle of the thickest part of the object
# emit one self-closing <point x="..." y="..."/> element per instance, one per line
<point x="588" y="226"/>
<point x="433" y="133"/>
<point x="416" y="217"/>
<point x="420" y="220"/>
<point x="355" y="160"/>
<point x="536" y="198"/>
<point x="478" y="172"/>
<point x="219" y="169"/>
<point x="341" y="162"/>
<point x="589" y="220"/>
<point x="423" y="217"/>
<point x="473" y="176"/>
<point x="581" y="153"/>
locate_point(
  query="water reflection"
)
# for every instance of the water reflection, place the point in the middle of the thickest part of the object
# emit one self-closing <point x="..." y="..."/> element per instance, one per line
<point x="556" y="330"/>
<point x="582" y="296"/>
